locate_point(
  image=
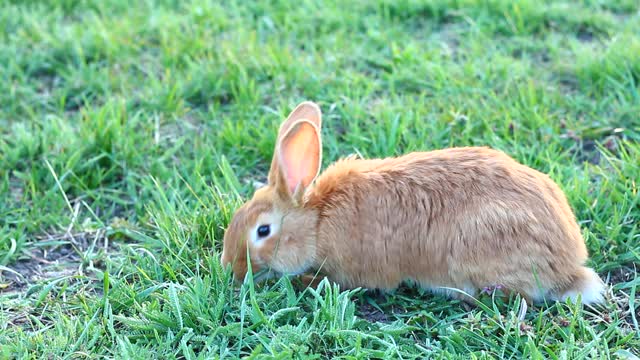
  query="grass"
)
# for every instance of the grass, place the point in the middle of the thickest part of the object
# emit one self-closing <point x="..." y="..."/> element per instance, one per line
<point x="130" y="132"/>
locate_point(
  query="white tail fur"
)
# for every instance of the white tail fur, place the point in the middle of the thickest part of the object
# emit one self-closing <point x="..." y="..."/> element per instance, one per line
<point x="591" y="288"/>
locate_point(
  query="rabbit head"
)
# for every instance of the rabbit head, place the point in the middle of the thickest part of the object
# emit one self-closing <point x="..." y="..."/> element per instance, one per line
<point x="273" y="230"/>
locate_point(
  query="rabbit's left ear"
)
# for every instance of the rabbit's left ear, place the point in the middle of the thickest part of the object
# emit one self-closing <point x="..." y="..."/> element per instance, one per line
<point x="306" y="110"/>
<point x="302" y="125"/>
<point x="297" y="158"/>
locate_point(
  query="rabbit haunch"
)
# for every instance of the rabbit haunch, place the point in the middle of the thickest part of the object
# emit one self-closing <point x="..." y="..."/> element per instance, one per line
<point x="463" y="218"/>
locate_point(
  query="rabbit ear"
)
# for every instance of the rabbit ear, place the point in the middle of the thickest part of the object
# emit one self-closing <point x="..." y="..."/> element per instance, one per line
<point x="298" y="157"/>
<point x="306" y="110"/>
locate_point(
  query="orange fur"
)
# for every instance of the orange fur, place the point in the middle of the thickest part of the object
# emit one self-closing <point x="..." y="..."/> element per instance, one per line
<point x="463" y="218"/>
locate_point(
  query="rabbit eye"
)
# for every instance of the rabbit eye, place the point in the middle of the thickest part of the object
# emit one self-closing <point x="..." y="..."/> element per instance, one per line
<point x="264" y="230"/>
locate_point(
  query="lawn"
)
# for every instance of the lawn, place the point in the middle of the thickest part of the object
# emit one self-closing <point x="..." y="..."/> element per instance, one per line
<point x="131" y="131"/>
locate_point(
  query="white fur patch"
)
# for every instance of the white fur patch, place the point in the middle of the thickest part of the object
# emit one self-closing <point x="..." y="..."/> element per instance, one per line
<point x="592" y="292"/>
<point x="273" y="220"/>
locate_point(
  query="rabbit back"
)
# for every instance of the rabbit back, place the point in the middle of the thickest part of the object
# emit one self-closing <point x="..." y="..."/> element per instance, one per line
<point x="465" y="218"/>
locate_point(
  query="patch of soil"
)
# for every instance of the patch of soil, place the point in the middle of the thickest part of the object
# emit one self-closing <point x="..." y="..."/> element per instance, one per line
<point x="43" y="263"/>
<point x="588" y="152"/>
<point x="371" y="314"/>
<point x="384" y="310"/>
<point x="585" y="35"/>
<point x="622" y="298"/>
<point x="63" y="259"/>
<point x="621" y="275"/>
<point x="585" y="147"/>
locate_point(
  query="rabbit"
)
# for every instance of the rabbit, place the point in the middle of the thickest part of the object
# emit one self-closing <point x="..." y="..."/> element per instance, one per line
<point x="454" y="221"/>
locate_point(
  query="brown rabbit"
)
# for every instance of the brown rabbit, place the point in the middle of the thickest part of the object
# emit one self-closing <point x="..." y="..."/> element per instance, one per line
<point x="459" y="218"/>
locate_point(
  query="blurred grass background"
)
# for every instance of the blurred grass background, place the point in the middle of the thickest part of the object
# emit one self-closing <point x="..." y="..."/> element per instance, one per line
<point x="130" y="132"/>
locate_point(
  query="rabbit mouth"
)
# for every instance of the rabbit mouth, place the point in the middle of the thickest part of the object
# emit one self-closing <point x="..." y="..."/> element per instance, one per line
<point x="270" y="273"/>
<point x="265" y="274"/>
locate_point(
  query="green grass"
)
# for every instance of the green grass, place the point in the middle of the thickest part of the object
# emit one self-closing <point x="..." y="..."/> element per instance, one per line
<point x="131" y="131"/>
